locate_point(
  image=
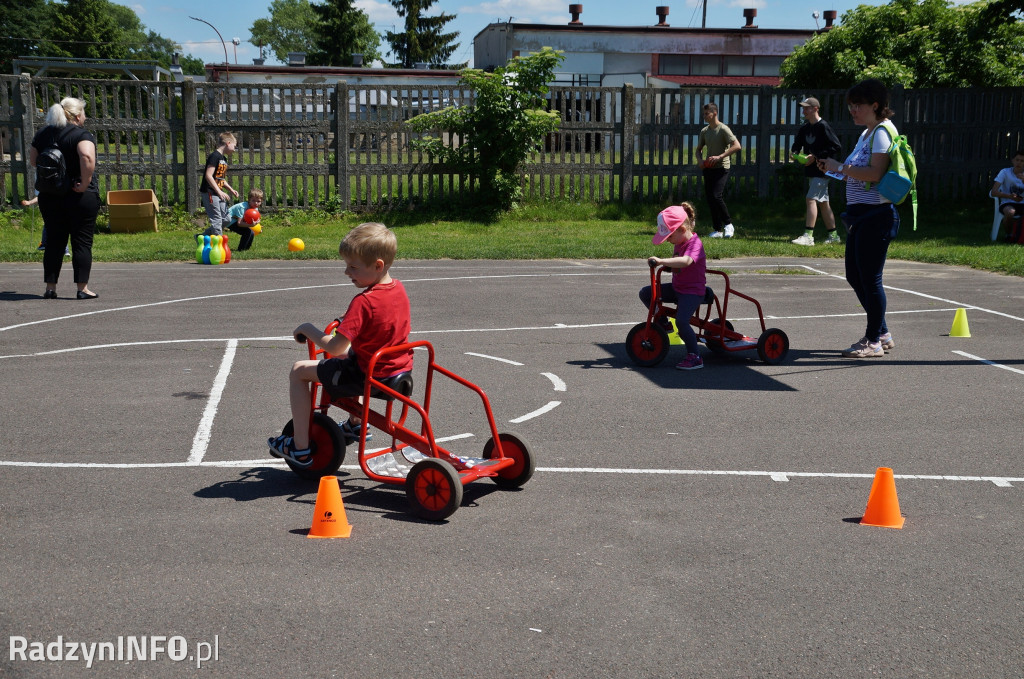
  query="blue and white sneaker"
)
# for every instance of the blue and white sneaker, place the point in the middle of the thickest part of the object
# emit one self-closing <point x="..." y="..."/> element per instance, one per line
<point x="352" y="432"/>
<point x="284" y="447"/>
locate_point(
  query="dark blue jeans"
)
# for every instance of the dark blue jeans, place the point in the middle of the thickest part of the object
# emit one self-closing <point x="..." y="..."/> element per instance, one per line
<point x="685" y="306"/>
<point x="870" y="228"/>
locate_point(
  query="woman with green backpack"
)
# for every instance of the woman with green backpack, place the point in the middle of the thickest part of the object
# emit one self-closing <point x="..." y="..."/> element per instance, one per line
<point x="871" y="220"/>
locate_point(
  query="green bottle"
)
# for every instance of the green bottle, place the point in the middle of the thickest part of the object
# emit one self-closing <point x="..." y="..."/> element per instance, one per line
<point x="800" y="158"/>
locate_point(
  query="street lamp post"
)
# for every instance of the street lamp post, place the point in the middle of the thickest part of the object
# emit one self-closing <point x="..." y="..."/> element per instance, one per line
<point x="227" y="70"/>
<point x="236" y="42"/>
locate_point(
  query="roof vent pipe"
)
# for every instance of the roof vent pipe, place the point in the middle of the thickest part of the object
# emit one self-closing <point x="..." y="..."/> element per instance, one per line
<point x="749" y="15"/>
<point x="830" y="17"/>
<point x="662" y="12"/>
<point x="575" y="11"/>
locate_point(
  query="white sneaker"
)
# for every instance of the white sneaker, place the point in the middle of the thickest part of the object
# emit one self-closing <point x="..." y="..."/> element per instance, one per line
<point x="887" y="342"/>
<point x="864" y="349"/>
<point x="729" y="230"/>
<point x="716" y="234"/>
<point x="803" y="240"/>
<point x="833" y="238"/>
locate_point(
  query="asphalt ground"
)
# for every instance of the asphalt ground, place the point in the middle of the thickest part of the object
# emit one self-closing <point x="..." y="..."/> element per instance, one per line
<point x="679" y="524"/>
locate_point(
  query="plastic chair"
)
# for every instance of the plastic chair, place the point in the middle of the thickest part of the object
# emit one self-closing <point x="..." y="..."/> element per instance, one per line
<point x="997" y="219"/>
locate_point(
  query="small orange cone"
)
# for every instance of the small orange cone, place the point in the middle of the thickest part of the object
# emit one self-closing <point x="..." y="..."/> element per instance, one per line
<point x="883" y="506"/>
<point x="329" y="520"/>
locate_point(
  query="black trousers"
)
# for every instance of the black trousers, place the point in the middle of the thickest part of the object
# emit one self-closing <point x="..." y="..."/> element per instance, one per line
<point x="247" y="236"/>
<point x="714" y="190"/>
<point x="69" y="217"/>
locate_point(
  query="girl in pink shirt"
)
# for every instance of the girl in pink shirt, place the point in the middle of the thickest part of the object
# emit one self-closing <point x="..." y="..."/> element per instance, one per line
<point x="676" y="225"/>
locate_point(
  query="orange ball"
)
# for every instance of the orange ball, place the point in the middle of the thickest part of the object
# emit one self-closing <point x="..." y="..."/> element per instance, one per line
<point x="296" y="244"/>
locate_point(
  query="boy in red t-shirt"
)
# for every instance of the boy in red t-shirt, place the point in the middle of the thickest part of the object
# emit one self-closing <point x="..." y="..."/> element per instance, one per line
<point x="377" y="317"/>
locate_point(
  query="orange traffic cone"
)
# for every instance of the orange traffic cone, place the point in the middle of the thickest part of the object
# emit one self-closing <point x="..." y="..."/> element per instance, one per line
<point x="883" y="506"/>
<point x="329" y="520"/>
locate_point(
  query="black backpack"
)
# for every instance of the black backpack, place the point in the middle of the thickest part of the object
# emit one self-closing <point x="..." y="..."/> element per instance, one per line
<point x="51" y="170"/>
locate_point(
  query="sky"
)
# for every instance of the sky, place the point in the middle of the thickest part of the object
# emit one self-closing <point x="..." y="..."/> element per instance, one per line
<point x="233" y="18"/>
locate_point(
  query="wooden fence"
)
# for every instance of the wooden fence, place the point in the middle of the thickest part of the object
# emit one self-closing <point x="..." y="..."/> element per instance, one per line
<point x="614" y="143"/>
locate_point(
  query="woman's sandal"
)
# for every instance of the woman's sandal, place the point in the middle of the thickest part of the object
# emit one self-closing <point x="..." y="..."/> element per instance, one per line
<point x="284" y="447"/>
<point x="86" y="295"/>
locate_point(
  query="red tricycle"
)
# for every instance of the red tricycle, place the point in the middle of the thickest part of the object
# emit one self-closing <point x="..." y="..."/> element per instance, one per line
<point x="648" y="343"/>
<point x="432" y="475"/>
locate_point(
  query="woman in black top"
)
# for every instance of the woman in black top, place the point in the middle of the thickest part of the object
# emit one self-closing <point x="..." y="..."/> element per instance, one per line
<point x="72" y="214"/>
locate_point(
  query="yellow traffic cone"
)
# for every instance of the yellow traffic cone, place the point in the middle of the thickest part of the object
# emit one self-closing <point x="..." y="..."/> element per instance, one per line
<point x="960" y="327"/>
<point x="673" y="337"/>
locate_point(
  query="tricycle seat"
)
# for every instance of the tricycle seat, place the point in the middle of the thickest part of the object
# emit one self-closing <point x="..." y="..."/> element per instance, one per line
<point x="402" y="383"/>
<point x="709" y="295"/>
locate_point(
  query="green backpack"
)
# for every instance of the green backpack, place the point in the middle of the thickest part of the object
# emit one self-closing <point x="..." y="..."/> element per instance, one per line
<point x="900" y="180"/>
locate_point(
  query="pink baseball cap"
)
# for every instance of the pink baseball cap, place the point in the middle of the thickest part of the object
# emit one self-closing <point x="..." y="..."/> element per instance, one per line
<point x="669" y="219"/>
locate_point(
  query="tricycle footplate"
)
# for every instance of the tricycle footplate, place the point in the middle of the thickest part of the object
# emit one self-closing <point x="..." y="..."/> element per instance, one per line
<point x="397" y="464"/>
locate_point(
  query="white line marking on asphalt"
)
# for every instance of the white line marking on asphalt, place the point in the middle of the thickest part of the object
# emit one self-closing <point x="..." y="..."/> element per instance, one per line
<point x="604" y="272"/>
<point x="493" y="358"/>
<point x="926" y="296"/>
<point x="262" y="462"/>
<point x="556" y="381"/>
<point x="551" y="405"/>
<point x="290" y="289"/>
<point x="988" y="362"/>
<point x="999" y="481"/>
<point x="202" y="438"/>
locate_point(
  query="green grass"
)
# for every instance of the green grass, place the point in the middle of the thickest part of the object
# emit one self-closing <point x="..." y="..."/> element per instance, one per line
<point x="954" y="234"/>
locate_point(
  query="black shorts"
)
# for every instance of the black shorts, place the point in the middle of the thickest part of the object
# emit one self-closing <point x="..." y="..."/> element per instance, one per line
<point x="341" y="377"/>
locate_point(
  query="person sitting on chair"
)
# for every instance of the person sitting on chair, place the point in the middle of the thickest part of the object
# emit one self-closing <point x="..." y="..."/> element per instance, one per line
<point x="1009" y="189"/>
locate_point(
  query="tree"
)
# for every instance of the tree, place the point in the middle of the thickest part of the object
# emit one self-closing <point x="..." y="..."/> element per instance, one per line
<point x="507" y="120"/>
<point x="87" y="29"/>
<point x="341" y="30"/>
<point x="913" y="43"/>
<point x="1003" y="10"/>
<point x="147" y="45"/>
<point x="290" y="28"/>
<point x="422" y="39"/>
<point x="20" y="20"/>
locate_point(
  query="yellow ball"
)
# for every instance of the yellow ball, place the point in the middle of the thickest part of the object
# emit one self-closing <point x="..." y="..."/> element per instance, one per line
<point x="256" y="228"/>
<point x="296" y="244"/>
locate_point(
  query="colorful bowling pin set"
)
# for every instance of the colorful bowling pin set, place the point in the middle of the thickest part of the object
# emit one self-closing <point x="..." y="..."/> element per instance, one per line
<point x="212" y="250"/>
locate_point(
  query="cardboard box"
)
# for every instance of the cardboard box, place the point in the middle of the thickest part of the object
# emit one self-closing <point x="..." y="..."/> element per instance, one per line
<point x="132" y="211"/>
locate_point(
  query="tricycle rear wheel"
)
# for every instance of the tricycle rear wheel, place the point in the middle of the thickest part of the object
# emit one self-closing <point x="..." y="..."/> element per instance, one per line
<point x="513" y="446"/>
<point x="772" y="345"/>
<point x="647" y="345"/>
<point x="715" y="343"/>
<point x="434" y="489"/>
